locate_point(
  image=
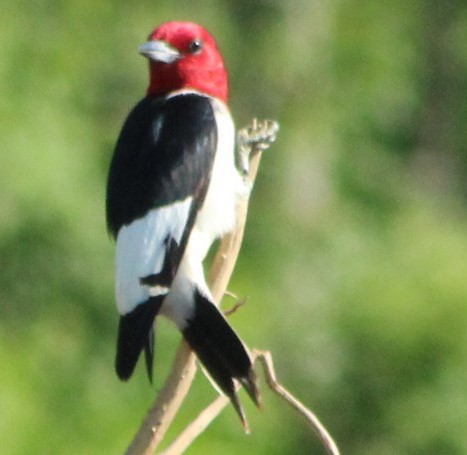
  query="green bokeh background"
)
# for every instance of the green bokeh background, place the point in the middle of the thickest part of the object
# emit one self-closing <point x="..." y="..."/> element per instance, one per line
<point x="355" y="256"/>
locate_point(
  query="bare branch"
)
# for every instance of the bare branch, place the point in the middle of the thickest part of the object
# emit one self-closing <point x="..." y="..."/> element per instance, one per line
<point x="197" y="427"/>
<point x="312" y="419"/>
<point x="233" y="309"/>
<point x="202" y="421"/>
<point x="168" y="401"/>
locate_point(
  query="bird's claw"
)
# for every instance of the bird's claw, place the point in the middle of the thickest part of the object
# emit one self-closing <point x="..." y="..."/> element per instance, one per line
<point x="255" y="137"/>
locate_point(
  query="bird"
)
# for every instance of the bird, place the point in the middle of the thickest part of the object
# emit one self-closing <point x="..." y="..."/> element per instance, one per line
<point x="172" y="190"/>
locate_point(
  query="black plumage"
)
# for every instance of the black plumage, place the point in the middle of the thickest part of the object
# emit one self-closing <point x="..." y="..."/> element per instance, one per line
<point x="164" y="153"/>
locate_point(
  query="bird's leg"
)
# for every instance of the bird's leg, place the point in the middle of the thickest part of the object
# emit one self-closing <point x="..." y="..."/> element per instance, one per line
<point x="257" y="136"/>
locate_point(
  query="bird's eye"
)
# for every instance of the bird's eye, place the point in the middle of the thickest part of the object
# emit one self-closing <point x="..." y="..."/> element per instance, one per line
<point x="195" y="47"/>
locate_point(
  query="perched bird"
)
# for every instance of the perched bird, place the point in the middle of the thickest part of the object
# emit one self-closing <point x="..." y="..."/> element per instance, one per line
<point x="172" y="190"/>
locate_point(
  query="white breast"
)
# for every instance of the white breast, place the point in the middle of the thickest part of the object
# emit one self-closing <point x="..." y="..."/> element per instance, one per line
<point x="217" y="215"/>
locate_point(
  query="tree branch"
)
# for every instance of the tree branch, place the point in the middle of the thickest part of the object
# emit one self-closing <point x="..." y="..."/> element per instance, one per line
<point x="202" y="421"/>
<point x="197" y="426"/>
<point x="310" y="417"/>
<point x="170" y="398"/>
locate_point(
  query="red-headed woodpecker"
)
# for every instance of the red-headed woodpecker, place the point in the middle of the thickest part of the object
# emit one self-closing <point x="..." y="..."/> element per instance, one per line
<point x="172" y="190"/>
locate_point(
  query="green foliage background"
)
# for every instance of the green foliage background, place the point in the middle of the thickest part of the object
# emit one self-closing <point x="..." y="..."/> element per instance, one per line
<point x="355" y="258"/>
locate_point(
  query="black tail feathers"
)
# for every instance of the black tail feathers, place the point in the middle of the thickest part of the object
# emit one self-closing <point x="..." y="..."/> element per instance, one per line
<point x="208" y="333"/>
<point x="221" y="352"/>
<point x="135" y="334"/>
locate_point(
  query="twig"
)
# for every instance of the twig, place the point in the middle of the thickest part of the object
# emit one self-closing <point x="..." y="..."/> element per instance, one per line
<point x="312" y="419"/>
<point x="197" y="426"/>
<point x="233" y="309"/>
<point x="202" y="421"/>
<point x="170" y="398"/>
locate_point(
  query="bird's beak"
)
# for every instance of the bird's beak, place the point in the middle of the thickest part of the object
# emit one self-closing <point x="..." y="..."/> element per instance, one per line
<point x="160" y="51"/>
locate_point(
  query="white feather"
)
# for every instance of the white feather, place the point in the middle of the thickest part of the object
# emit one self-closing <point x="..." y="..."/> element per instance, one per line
<point x="141" y="252"/>
<point x="217" y="215"/>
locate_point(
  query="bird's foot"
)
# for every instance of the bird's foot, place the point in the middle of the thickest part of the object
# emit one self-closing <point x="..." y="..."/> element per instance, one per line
<point x="255" y="137"/>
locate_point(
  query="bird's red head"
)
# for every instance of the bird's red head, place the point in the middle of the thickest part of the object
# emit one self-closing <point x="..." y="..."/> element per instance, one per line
<point x="184" y="55"/>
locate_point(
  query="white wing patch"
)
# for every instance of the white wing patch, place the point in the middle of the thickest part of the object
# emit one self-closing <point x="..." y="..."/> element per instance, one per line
<point x="141" y="249"/>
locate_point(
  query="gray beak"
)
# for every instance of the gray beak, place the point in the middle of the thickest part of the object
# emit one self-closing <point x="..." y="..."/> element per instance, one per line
<point x="159" y="51"/>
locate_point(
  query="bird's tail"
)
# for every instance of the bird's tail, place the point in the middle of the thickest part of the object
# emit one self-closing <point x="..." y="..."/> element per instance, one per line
<point x="136" y="334"/>
<point x="221" y="351"/>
